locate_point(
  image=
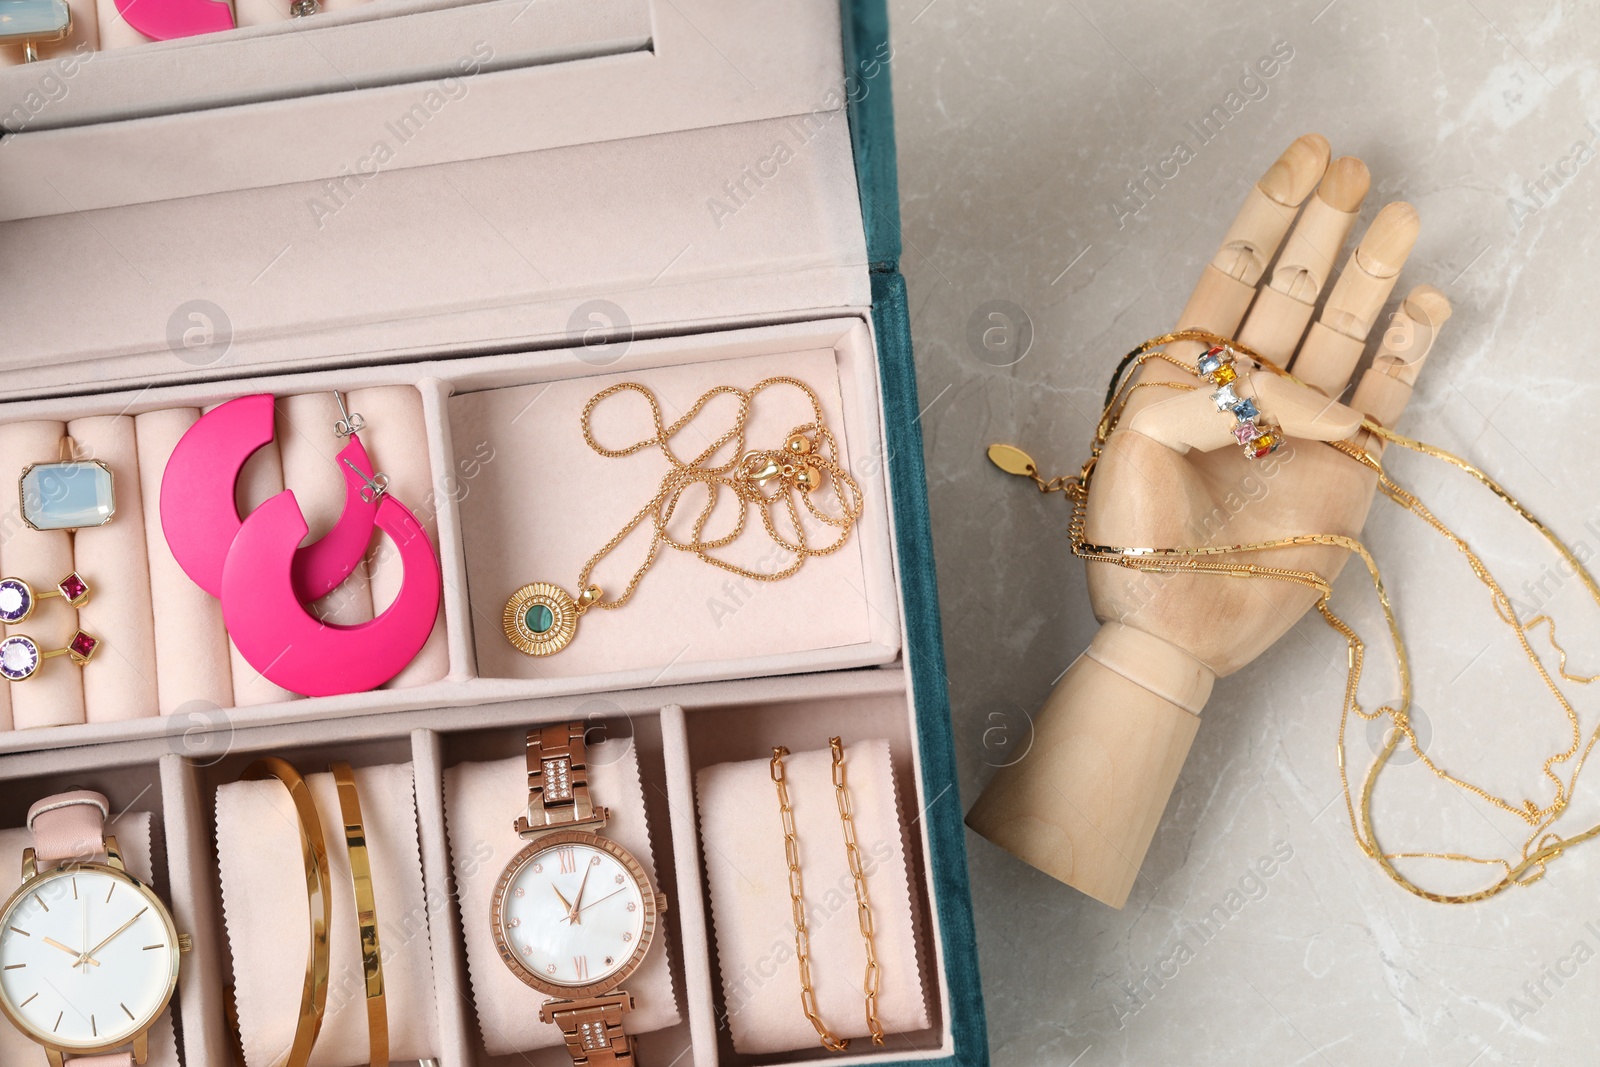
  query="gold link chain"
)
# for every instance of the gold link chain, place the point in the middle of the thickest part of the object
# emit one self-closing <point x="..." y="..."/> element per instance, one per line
<point x="1542" y="844"/>
<point x="869" y="984"/>
<point x="797" y="903"/>
<point x="745" y="473"/>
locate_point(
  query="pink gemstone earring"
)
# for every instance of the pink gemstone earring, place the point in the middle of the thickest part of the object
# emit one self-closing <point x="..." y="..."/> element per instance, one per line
<point x="200" y="517"/>
<point x="270" y="627"/>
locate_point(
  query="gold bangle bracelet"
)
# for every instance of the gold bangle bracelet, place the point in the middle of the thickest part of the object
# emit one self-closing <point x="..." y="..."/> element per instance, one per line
<point x="319" y="899"/>
<point x="355" y="840"/>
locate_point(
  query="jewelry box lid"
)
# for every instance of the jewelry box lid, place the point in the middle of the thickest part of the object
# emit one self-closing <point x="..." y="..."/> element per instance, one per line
<point x="705" y="177"/>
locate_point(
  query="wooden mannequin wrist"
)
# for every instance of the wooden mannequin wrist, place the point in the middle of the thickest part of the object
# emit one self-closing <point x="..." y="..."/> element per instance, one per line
<point x="1108" y="745"/>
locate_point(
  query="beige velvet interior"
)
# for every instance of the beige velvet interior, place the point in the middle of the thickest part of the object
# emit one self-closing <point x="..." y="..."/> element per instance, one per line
<point x="164" y="649"/>
<point x="749" y="889"/>
<point x="632" y="70"/>
<point x="840" y="611"/>
<point x="675" y="732"/>
<point x="475" y="269"/>
<point x="578" y="162"/>
<point x="263" y="889"/>
<point x="547" y="503"/>
<point x="53" y="696"/>
<point x="353" y="38"/>
<point x="179" y="762"/>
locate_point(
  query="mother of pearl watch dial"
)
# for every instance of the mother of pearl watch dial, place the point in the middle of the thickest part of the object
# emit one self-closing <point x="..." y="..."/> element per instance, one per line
<point x="88" y="958"/>
<point x="574" y="914"/>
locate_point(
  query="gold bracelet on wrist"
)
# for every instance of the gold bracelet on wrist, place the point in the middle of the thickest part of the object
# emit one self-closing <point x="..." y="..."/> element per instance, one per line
<point x="355" y="840"/>
<point x="319" y="898"/>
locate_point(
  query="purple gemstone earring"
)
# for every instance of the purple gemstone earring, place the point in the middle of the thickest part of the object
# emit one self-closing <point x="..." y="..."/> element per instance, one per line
<point x="18" y="598"/>
<point x="21" y="657"/>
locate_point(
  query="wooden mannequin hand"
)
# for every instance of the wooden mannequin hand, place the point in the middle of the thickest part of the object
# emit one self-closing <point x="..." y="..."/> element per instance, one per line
<point x="1108" y="746"/>
<point x="1174" y="476"/>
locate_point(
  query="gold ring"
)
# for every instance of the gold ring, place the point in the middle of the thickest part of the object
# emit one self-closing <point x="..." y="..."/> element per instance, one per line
<point x="355" y="841"/>
<point x="319" y="901"/>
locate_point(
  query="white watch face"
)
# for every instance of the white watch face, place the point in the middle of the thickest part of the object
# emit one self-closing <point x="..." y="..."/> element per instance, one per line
<point x="86" y="958"/>
<point x="573" y="914"/>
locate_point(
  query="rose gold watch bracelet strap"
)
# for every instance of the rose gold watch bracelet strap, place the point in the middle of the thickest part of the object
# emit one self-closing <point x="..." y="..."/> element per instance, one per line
<point x="558" y="781"/>
<point x="592" y="1027"/>
<point x="108" y="1059"/>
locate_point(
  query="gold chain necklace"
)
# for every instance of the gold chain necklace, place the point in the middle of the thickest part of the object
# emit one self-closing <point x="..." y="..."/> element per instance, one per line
<point x="541" y="618"/>
<point x="1542" y="843"/>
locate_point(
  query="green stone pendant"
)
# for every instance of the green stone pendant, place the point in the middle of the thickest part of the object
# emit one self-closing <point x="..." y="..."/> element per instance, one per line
<point x="540" y="619"/>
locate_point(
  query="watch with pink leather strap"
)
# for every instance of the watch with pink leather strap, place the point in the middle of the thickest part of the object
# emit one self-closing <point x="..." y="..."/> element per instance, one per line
<point x="88" y="953"/>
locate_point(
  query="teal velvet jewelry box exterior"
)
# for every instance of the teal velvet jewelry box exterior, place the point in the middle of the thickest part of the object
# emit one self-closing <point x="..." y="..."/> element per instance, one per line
<point x="868" y="57"/>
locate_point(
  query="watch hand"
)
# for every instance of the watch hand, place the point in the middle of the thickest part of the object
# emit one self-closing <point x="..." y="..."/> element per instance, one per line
<point x="608" y="896"/>
<point x="572" y="912"/>
<point x="564" y="902"/>
<point x="84" y="912"/>
<point x="53" y="943"/>
<point x="87" y="957"/>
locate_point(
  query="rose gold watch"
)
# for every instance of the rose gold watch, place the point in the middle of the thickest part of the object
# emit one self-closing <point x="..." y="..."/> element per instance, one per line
<point x="89" y="953"/>
<point x="574" y="913"/>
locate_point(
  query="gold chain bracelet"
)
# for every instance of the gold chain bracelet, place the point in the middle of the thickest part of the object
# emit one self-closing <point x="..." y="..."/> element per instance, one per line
<point x="869" y="984"/>
<point x="1542" y="844"/>
<point x="541" y="618"/>
<point x="797" y="903"/>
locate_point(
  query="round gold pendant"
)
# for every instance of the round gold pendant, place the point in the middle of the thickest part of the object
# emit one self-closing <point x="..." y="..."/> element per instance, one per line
<point x="540" y="619"/>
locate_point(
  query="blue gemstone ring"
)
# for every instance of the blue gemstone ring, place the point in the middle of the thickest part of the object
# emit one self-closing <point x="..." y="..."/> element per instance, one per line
<point x="69" y="495"/>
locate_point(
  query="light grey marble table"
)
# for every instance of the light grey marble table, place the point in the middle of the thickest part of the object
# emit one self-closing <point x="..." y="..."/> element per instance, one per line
<point x="1021" y="125"/>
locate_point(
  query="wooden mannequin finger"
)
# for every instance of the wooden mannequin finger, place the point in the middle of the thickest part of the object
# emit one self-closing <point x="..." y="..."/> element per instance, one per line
<point x="1228" y="282"/>
<point x="1411" y="333"/>
<point x="1193" y="419"/>
<point x="1281" y="311"/>
<point x="1269" y="208"/>
<point x="1386" y="386"/>
<point x="1336" y="340"/>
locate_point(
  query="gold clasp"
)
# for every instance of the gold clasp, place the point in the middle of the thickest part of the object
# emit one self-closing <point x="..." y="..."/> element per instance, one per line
<point x="759" y="470"/>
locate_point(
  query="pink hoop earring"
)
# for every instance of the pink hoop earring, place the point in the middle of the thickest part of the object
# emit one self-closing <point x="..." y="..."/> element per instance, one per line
<point x="200" y="517"/>
<point x="271" y="629"/>
<point x="166" y="20"/>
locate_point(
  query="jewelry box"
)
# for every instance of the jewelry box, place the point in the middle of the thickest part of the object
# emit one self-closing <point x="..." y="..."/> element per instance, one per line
<point x="465" y="218"/>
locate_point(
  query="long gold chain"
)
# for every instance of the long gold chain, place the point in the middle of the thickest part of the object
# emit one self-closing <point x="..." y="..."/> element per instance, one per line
<point x="797" y="905"/>
<point x="759" y="478"/>
<point x="1542" y="844"/>
<point x="869" y="983"/>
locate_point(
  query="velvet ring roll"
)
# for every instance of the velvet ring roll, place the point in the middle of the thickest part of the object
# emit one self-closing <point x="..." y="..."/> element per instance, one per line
<point x="355" y="840"/>
<point x="115" y="560"/>
<point x="53" y="698"/>
<point x="319" y="896"/>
